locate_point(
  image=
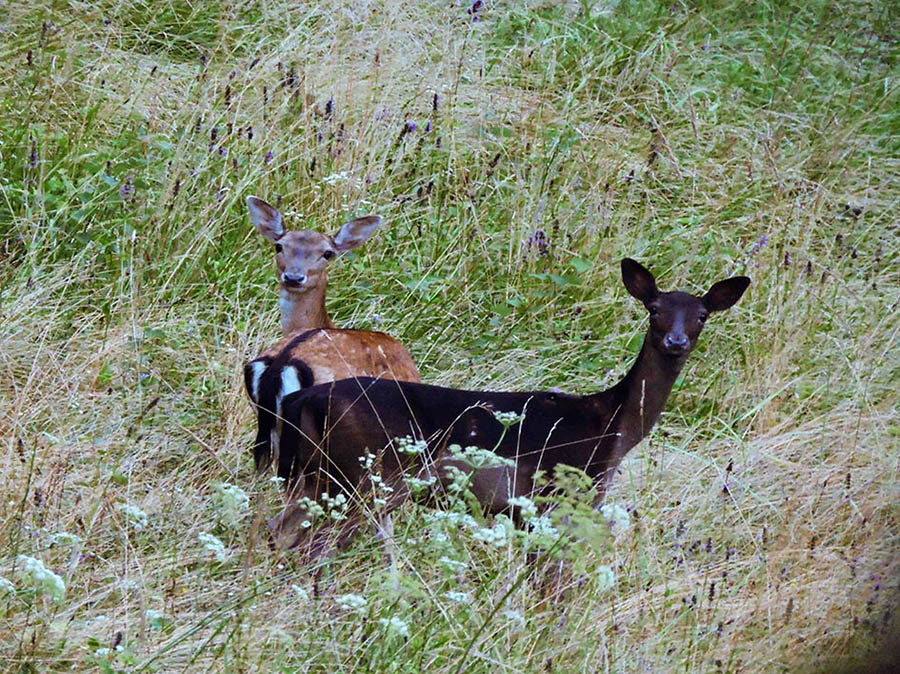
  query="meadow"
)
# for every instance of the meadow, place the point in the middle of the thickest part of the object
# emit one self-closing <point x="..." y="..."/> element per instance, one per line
<point x="517" y="151"/>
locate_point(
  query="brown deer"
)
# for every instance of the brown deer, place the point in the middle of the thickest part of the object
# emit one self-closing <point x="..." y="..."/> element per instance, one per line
<point x="313" y="351"/>
<point x="327" y="428"/>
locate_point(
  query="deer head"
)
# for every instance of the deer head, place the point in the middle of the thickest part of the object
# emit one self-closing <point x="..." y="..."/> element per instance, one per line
<point x="677" y="318"/>
<point x="302" y="256"/>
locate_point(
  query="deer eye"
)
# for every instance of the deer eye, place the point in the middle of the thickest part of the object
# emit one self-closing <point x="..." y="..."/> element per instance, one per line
<point x="328" y="254"/>
<point x="653" y="311"/>
<point x="703" y="317"/>
<point x="278" y="248"/>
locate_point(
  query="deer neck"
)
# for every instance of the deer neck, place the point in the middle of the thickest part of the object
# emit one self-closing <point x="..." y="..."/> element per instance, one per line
<point x="304" y="311"/>
<point x="640" y="397"/>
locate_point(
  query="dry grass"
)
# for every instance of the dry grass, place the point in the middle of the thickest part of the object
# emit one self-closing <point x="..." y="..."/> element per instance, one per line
<point x="704" y="140"/>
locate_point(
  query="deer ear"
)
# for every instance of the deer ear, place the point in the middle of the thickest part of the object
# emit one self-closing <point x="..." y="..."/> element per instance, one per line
<point x="265" y="218"/>
<point x="725" y="294"/>
<point x="638" y="281"/>
<point x="356" y="232"/>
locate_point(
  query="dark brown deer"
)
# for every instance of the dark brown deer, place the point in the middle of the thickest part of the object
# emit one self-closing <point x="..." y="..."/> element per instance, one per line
<point x="313" y="351"/>
<point x="327" y="428"/>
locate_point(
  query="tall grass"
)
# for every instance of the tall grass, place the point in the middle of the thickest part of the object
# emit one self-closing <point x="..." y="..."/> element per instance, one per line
<point x="517" y="151"/>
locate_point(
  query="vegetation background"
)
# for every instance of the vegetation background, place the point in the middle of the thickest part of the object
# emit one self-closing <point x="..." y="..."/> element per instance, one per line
<point x="517" y="151"/>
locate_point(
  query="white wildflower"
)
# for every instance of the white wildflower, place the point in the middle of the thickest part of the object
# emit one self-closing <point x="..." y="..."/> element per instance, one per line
<point x="44" y="580"/>
<point x="351" y="602"/>
<point x="606" y="577"/>
<point x="64" y="538"/>
<point x="618" y="518"/>
<point x="380" y="485"/>
<point x="367" y="460"/>
<point x="395" y="626"/>
<point x="6" y="587"/>
<point x="409" y="445"/>
<point x="310" y="506"/>
<point x="526" y="506"/>
<point x="543" y="526"/>
<point x="458" y="597"/>
<point x="498" y="535"/>
<point x="416" y="484"/>
<point x="508" y="418"/>
<point x="451" y="517"/>
<point x="340" y="177"/>
<point x="231" y="503"/>
<point x="459" y="481"/>
<point x="514" y="617"/>
<point x="276" y="480"/>
<point x="136" y="517"/>
<point x="128" y="585"/>
<point x="452" y="564"/>
<point x="336" y="507"/>
<point x="103" y="652"/>
<point x="214" y="545"/>
<point x="480" y="458"/>
<point x="300" y="593"/>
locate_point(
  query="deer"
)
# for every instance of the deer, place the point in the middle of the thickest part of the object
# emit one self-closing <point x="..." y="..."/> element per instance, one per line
<point x="312" y="350"/>
<point x="328" y="427"/>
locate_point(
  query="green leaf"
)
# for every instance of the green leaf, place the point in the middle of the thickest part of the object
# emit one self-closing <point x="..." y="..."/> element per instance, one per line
<point x="580" y="266"/>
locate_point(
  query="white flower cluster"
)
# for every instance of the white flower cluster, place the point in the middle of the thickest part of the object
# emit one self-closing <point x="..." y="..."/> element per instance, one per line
<point x="367" y="460"/>
<point x="459" y="480"/>
<point x="395" y="626"/>
<point x="351" y="602"/>
<point x="410" y="446"/>
<point x="300" y="593"/>
<point x="458" y="597"/>
<point x="336" y="507"/>
<point x="231" y="503"/>
<point x="526" y="507"/>
<point x="44" y="580"/>
<point x="508" y="418"/>
<point x="499" y="534"/>
<point x="606" y="577"/>
<point x="340" y="177"/>
<point x="214" y="545"/>
<point x="136" y="517"/>
<point x="618" y="518"/>
<point x="480" y="458"/>
<point x="313" y="508"/>
<point x="542" y="526"/>
<point x="451" y="517"/>
<point x="382" y="490"/>
<point x="452" y="564"/>
<point x="516" y="619"/>
<point x="417" y="485"/>
<point x="6" y="587"/>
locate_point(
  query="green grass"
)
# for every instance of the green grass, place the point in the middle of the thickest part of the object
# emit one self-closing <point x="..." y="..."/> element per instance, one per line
<point x="704" y="140"/>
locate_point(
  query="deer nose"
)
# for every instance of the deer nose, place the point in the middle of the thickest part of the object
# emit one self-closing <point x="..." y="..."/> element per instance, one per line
<point x="676" y="341"/>
<point x="293" y="280"/>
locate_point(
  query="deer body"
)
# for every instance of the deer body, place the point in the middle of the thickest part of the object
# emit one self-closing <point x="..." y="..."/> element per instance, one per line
<point x="312" y="350"/>
<point x="332" y="425"/>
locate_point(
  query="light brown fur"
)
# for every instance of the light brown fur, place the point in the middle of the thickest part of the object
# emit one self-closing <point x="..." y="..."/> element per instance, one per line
<point x="329" y="353"/>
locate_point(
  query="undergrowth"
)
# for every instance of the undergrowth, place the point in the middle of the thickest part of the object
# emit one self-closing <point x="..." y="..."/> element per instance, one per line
<point x="516" y="151"/>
